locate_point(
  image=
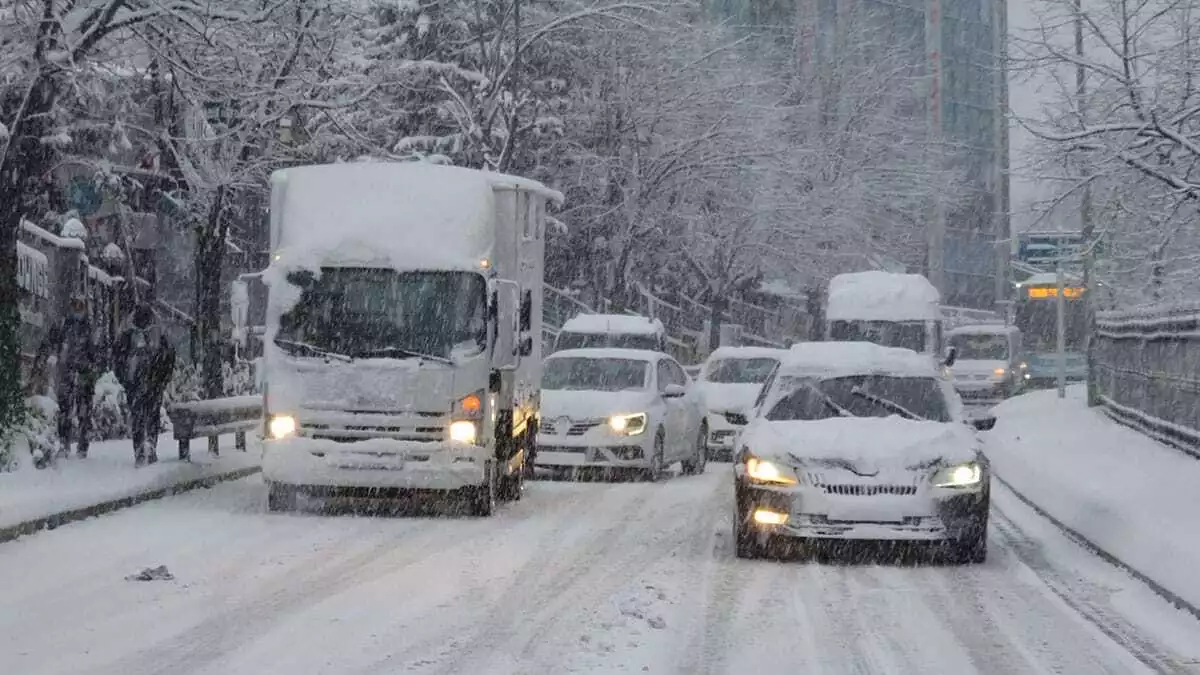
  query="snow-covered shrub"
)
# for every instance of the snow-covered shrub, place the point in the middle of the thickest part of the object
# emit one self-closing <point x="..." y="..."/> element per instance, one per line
<point x="184" y="385"/>
<point x="35" y="434"/>
<point x="110" y="409"/>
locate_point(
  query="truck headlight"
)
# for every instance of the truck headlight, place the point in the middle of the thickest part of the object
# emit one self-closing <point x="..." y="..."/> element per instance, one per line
<point x="282" y="426"/>
<point x="628" y="425"/>
<point x="463" y="431"/>
<point x="959" y="475"/>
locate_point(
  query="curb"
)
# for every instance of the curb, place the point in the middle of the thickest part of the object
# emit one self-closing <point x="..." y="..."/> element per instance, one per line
<point x="54" y="520"/>
<point x="1073" y="534"/>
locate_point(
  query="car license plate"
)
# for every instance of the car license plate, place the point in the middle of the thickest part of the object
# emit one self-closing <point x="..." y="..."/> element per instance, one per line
<point x="866" y="512"/>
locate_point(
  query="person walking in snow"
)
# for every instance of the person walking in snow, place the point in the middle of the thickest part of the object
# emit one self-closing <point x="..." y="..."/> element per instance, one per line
<point x="73" y="342"/>
<point x="145" y="362"/>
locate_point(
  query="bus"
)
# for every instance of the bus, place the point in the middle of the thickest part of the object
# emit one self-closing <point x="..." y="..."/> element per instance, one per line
<point x="1035" y="315"/>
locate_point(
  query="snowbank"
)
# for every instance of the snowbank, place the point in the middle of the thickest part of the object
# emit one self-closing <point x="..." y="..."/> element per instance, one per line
<point x="627" y="324"/>
<point x="882" y="296"/>
<point x="840" y="359"/>
<point x="1133" y="497"/>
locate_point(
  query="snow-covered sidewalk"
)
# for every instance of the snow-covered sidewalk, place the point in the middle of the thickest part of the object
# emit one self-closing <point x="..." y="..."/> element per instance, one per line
<point x="1134" y="498"/>
<point x="108" y="474"/>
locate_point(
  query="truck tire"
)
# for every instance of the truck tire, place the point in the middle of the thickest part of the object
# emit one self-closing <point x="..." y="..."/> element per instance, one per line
<point x="483" y="497"/>
<point x="280" y="497"/>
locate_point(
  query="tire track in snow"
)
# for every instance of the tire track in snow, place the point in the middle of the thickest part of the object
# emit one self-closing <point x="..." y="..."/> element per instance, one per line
<point x="577" y="584"/>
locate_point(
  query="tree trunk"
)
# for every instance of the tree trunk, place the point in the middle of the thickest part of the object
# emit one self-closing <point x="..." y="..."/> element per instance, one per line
<point x="25" y="159"/>
<point x="210" y="260"/>
<point x="718" y="302"/>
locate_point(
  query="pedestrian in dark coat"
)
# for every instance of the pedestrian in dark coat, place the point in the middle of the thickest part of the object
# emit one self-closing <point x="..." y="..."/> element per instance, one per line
<point x="145" y="362"/>
<point x="72" y="340"/>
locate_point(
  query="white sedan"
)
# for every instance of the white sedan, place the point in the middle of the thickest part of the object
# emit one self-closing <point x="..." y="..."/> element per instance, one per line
<point x="619" y="409"/>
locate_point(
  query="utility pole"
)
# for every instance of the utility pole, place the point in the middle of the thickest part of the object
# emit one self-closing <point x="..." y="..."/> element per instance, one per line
<point x="1087" y="226"/>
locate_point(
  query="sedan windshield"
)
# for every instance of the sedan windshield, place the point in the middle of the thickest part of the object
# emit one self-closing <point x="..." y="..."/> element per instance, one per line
<point x="740" y="371"/>
<point x="980" y="347"/>
<point x="371" y="312"/>
<point x="594" y="374"/>
<point x="918" y="398"/>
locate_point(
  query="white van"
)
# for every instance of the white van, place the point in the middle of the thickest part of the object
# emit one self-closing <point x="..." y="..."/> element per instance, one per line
<point x="621" y="331"/>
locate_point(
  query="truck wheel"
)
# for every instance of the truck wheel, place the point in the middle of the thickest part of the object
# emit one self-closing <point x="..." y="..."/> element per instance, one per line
<point x="483" y="497"/>
<point x="512" y="485"/>
<point x="281" y="497"/>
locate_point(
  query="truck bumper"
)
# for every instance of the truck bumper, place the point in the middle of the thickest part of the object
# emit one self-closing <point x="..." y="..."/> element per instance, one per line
<point x="375" y="463"/>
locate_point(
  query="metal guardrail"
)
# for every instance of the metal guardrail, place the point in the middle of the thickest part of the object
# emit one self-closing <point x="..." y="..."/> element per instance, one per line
<point x="211" y="418"/>
<point x="1145" y="366"/>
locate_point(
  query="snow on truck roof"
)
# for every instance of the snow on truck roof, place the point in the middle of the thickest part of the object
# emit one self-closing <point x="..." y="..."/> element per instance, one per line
<point x="882" y="296"/>
<point x="410" y="213"/>
<point x="625" y="324"/>
<point x="605" y="353"/>
<point x="841" y="359"/>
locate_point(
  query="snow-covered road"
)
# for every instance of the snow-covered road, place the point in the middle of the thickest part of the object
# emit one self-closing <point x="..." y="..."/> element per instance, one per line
<point x="596" y="578"/>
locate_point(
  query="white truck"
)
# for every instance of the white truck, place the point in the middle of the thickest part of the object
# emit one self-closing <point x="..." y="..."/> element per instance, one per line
<point x="402" y="348"/>
<point x="886" y="308"/>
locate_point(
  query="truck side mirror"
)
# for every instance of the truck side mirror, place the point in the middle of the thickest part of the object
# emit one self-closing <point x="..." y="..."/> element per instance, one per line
<point x="506" y="307"/>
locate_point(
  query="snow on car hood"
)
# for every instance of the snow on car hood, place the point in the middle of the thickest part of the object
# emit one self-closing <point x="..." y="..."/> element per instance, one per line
<point x="579" y="405"/>
<point x="889" y="442"/>
<point x="729" y="397"/>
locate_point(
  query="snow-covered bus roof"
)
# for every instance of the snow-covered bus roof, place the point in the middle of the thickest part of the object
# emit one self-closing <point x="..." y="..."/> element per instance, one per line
<point x="623" y="324"/>
<point x="747" y="353"/>
<point x="843" y="359"/>
<point x="882" y="296"/>
<point x="407" y="213"/>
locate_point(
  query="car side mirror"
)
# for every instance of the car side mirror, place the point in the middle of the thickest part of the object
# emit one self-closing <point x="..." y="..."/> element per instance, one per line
<point x="951" y="356"/>
<point x="984" y="423"/>
<point x="674" y="391"/>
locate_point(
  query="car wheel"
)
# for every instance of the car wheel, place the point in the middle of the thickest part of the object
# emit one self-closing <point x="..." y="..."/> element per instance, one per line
<point x="695" y="466"/>
<point x="281" y="497"/>
<point x="483" y="499"/>
<point x="656" y="470"/>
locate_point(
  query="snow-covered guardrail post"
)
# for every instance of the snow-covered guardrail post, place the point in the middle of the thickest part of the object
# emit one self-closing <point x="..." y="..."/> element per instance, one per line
<point x="212" y="418"/>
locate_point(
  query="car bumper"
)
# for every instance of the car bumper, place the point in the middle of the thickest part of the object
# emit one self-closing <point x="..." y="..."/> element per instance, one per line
<point x="376" y="463"/>
<point x="722" y="437"/>
<point x="560" y="452"/>
<point x="930" y="515"/>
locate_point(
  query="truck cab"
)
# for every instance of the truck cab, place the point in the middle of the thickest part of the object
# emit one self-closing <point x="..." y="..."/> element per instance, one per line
<point x="621" y="331"/>
<point x="399" y="346"/>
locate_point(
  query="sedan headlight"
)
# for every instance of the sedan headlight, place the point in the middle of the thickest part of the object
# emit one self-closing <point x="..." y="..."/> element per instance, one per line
<point x="958" y="476"/>
<point x="762" y="471"/>
<point x="463" y="431"/>
<point x="282" y="426"/>
<point x="628" y="425"/>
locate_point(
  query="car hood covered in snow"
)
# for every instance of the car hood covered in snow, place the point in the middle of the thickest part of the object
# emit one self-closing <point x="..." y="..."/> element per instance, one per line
<point x="729" y="397"/>
<point x="862" y="442"/>
<point x="579" y="405"/>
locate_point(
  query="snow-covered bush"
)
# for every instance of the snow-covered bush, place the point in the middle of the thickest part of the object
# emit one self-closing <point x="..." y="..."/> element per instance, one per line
<point x="110" y="409"/>
<point x="35" y="434"/>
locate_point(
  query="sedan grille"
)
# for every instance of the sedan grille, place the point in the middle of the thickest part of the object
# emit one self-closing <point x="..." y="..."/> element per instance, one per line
<point x="869" y="490"/>
<point x="552" y="427"/>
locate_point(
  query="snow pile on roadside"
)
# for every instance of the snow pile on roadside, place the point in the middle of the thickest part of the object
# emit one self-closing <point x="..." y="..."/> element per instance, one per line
<point x="1130" y="495"/>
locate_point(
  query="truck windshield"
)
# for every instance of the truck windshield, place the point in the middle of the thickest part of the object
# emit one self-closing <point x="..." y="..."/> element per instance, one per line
<point x="906" y="334"/>
<point x="371" y="312"/>
<point x="980" y="347"/>
<point x="571" y="340"/>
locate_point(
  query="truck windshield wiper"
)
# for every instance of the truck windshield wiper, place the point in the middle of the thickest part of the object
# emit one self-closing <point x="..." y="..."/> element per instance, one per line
<point x="890" y="405"/>
<point x="315" y="351"/>
<point x="401" y="351"/>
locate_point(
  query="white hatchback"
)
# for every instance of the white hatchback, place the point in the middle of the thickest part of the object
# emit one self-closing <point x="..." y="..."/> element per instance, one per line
<point x="619" y="409"/>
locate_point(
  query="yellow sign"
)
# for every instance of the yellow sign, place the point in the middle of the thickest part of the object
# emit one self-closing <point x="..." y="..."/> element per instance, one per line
<point x="1052" y="292"/>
